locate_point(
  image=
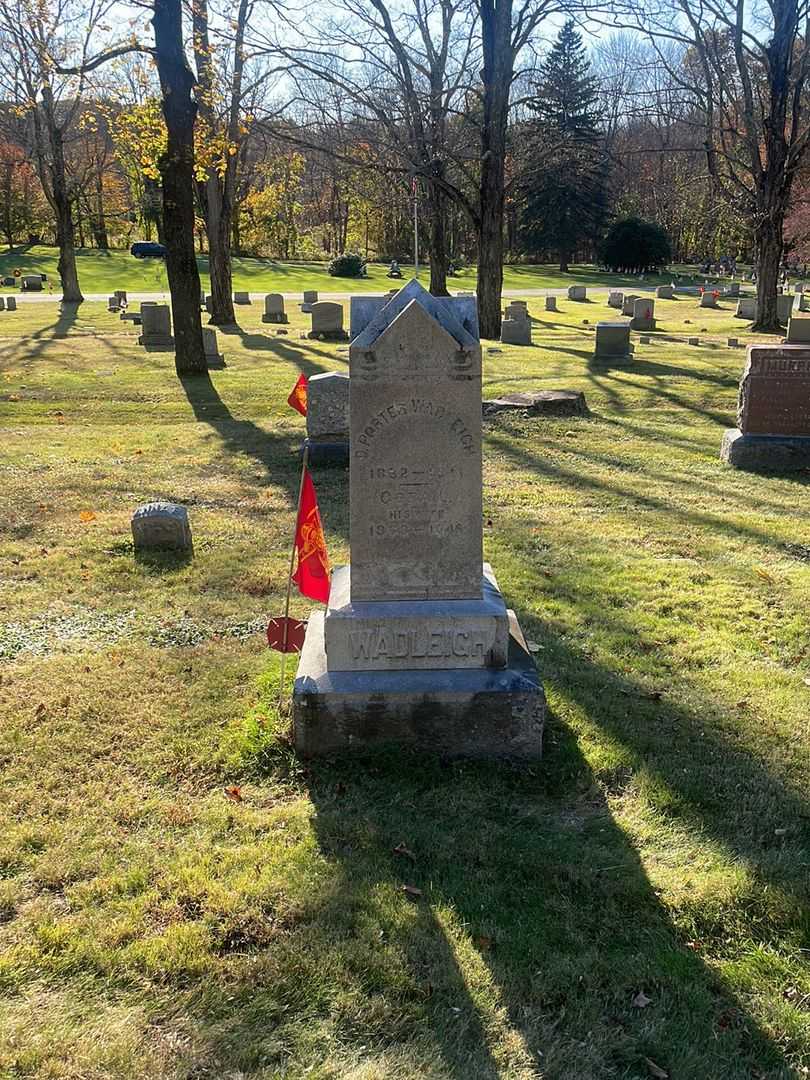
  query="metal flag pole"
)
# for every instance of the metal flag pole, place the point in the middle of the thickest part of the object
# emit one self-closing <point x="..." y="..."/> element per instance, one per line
<point x="304" y="461"/>
<point x="415" y="230"/>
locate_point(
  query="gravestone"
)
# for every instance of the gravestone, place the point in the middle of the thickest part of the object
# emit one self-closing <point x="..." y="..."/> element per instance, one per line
<point x="161" y="526"/>
<point x="241" y="298"/>
<point x="798" y="331"/>
<point x="693" y="341"/>
<point x="802" y="302"/>
<point x="364" y="308"/>
<point x="665" y="292"/>
<point x="773" y="414"/>
<point x="612" y="341"/>
<point x="113" y="304"/>
<point x="643" y="315"/>
<point x="11" y="303"/>
<point x="9" y="281"/>
<point x="327" y="321"/>
<point x="516" y="331"/>
<point x="2" y="303"/>
<point x="708" y="300"/>
<point x="328" y="418"/>
<point x="156" y="326"/>
<point x="417" y="645"/>
<point x="539" y="403"/>
<point x="733" y="289"/>
<point x="213" y="356"/>
<point x="784" y="307"/>
<point x="31" y="282"/>
<point x="746" y="308"/>
<point x="516" y="311"/>
<point x="209" y="303"/>
<point x="616" y="299"/>
<point x="629" y="303"/>
<point x="120" y="295"/>
<point x="310" y="298"/>
<point x="732" y="343"/>
<point x="551" y="303"/>
<point x="577" y="292"/>
<point x="274" y="308"/>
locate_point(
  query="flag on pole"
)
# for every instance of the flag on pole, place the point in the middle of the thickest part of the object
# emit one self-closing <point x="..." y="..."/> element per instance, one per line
<point x="298" y="397"/>
<point x="312" y="573"/>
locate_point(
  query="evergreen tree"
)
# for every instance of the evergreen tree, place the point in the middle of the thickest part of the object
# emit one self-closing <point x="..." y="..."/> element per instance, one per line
<point x="564" y="197"/>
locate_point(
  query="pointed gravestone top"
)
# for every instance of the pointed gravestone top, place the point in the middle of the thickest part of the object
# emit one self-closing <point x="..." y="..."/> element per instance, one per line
<point x="415" y="419"/>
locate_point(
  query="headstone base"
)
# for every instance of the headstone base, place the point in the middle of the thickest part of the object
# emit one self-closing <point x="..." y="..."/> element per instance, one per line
<point x="765" y="453"/>
<point x="274" y="318"/>
<point x="539" y="403"/>
<point x="328" y="335"/>
<point x="335" y="452"/>
<point x="484" y="712"/>
<point x="156" y="344"/>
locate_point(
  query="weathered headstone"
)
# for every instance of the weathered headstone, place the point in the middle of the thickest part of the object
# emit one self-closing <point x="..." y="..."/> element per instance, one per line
<point x="241" y="298"/>
<point x="327" y="321"/>
<point x="32" y="282"/>
<point x="2" y="303"/>
<point x="665" y="292"/>
<point x="616" y="299"/>
<point x="773" y="415"/>
<point x="417" y="645"/>
<point x="213" y="356"/>
<point x="516" y="310"/>
<point x="732" y="343"/>
<point x="516" y="330"/>
<point x="156" y="326"/>
<point x="784" y="307"/>
<point x="209" y="303"/>
<point x="733" y="289"/>
<point x="746" y="308"/>
<point x="328" y="418"/>
<point x="11" y="303"/>
<point x="539" y="403"/>
<point x="577" y="292"/>
<point x="629" y="302"/>
<point x="310" y="298"/>
<point x="9" y="281"/>
<point x="161" y="526"/>
<point x="798" y="331"/>
<point x="120" y="295"/>
<point x="274" y="308"/>
<point x="612" y="340"/>
<point x="708" y="300"/>
<point x="643" y="315"/>
<point x="113" y="304"/>
<point x="551" y="303"/>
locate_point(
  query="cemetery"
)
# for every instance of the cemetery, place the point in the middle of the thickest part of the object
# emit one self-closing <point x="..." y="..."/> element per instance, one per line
<point x="404" y="541"/>
<point x="176" y="836"/>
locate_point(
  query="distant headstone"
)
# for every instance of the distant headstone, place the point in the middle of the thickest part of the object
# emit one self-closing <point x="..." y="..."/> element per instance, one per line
<point x="693" y="341"/>
<point x="310" y="298"/>
<point x="733" y="289"/>
<point x="417" y="646"/>
<point x="616" y="299"/>
<point x="551" y="303"/>
<point x="612" y="341"/>
<point x="798" y="331"/>
<point x="577" y="292"/>
<point x="784" y="307"/>
<point x="32" y="282"/>
<point x="213" y="356"/>
<point x="327" y="321"/>
<point x="328" y="418"/>
<point x="629" y="301"/>
<point x="120" y="295"/>
<point x="11" y="303"/>
<point x="9" y="281"/>
<point x="516" y="331"/>
<point x="773" y="414"/>
<point x="516" y="310"/>
<point x="113" y="304"/>
<point x="746" y="308"/>
<point x="156" y="326"/>
<point x="209" y="303"/>
<point x="274" y="308"/>
<point x="708" y="300"/>
<point x="643" y="315"/>
<point x="539" y="403"/>
<point x="161" y="526"/>
<point x="2" y="303"/>
<point x="732" y="343"/>
<point x="665" y="292"/>
<point x="241" y="297"/>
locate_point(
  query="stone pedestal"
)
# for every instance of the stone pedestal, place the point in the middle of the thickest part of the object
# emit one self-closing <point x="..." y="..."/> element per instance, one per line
<point x="416" y="646"/>
<point x="773" y="414"/>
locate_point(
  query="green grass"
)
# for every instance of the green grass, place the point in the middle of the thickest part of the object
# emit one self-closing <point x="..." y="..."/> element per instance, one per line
<point x="153" y="927"/>
<point x="105" y="271"/>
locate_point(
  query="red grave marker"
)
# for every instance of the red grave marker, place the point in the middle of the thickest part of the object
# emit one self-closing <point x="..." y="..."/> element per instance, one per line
<point x="296" y="631"/>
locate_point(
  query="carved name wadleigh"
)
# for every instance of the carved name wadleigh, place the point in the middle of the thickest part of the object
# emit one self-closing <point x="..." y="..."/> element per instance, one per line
<point x="417" y="644"/>
<point x="413" y="407"/>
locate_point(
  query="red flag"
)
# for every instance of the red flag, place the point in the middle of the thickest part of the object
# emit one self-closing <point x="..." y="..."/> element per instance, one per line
<point x="298" y="397"/>
<point x="312" y="573"/>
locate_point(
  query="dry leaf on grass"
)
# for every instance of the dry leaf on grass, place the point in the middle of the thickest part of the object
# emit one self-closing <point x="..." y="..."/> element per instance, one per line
<point x="641" y="1001"/>
<point x="234" y="793"/>
<point x="87" y="515"/>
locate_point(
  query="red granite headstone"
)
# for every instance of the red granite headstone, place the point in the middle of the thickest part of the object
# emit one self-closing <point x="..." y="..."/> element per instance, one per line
<point x="775" y="391"/>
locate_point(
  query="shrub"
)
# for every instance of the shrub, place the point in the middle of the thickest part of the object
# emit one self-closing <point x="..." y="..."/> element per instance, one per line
<point x="349" y="264"/>
<point x="634" y="245"/>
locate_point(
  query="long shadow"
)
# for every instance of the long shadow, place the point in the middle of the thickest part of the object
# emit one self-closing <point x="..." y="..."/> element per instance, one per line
<point x="285" y="348"/>
<point x="278" y="454"/>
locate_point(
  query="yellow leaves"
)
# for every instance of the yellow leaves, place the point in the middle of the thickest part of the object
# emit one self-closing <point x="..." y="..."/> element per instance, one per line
<point x="87" y="516"/>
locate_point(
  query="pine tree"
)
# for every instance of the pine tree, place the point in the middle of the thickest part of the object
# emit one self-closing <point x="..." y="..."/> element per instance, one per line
<point x="564" y="197"/>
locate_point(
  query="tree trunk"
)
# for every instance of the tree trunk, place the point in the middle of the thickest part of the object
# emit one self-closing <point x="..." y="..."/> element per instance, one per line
<point x="66" y="264"/>
<point x="438" y="240"/>
<point x="769" y="257"/>
<point x="177" y="171"/>
<point x="100" y="222"/>
<point x="496" y="76"/>
<point x="563" y="262"/>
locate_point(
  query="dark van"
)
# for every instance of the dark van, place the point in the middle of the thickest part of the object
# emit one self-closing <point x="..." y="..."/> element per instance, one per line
<point x="142" y="249"/>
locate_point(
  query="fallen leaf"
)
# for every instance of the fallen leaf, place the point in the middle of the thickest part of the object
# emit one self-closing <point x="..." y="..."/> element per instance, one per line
<point x="234" y="793"/>
<point x="656" y="1070"/>
<point x="13" y="397"/>
<point x="401" y="849"/>
<point x="138" y="451"/>
<point x="87" y="515"/>
<point x="641" y="1001"/>
<point x="412" y="892"/>
<point x="764" y="574"/>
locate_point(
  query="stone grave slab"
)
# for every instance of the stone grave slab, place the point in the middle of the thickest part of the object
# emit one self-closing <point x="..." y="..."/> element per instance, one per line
<point x="274" y="309"/>
<point x="328" y="418"/>
<point x="327" y="321"/>
<point x="539" y="403"/>
<point x="616" y="299"/>
<point x="310" y="298"/>
<point x="156" y="326"/>
<point x="516" y="331"/>
<point x="665" y="292"/>
<point x="612" y="341"/>
<point x="577" y="292"/>
<point x="161" y="526"/>
<point x="643" y="315"/>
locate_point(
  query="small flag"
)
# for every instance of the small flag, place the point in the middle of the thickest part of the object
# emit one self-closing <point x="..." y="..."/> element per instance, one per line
<point x="298" y="398"/>
<point x="312" y="573"/>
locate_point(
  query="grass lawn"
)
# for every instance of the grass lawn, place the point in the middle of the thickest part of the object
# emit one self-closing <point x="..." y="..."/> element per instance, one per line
<point x="105" y="271"/>
<point x="633" y="906"/>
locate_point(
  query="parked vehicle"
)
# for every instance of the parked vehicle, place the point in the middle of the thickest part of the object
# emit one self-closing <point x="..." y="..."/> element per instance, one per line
<point x="143" y="249"/>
